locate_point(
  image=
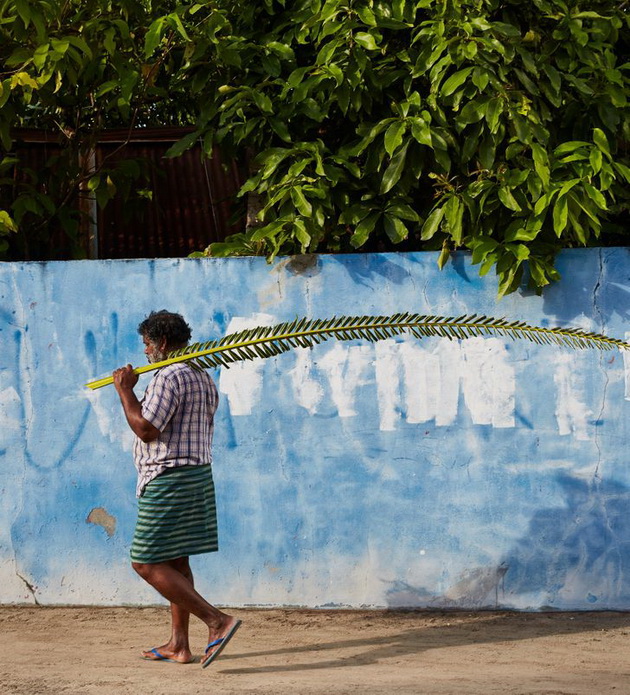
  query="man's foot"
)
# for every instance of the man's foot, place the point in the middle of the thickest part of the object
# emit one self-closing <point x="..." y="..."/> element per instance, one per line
<point x="167" y="653"/>
<point x="218" y="639"/>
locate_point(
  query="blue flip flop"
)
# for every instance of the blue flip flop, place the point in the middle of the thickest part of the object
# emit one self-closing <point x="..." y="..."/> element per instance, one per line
<point x="219" y="645"/>
<point x="161" y="657"/>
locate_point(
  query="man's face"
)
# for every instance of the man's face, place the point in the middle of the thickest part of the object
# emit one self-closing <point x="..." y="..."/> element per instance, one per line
<point x="153" y="351"/>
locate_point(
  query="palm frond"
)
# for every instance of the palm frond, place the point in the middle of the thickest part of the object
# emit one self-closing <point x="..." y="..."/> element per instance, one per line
<point x="269" y="341"/>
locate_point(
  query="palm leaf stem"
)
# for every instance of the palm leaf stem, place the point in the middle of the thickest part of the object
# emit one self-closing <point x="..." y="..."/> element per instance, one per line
<point x="268" y="341"/>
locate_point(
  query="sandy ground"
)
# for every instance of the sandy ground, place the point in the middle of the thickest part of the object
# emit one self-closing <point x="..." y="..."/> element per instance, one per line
<point x="94" y="651"/>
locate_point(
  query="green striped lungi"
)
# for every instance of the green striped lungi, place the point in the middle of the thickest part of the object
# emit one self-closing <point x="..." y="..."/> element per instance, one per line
<point x="176" y="516"/>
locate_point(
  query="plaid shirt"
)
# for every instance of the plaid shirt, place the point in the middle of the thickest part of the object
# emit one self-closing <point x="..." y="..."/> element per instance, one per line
<point x="180" y="402"/>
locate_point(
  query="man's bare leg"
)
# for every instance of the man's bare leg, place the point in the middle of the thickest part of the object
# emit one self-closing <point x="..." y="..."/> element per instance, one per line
<point x="177" y="588"/>
<point x="180" y="618"/>
<point x="178" y="647"/>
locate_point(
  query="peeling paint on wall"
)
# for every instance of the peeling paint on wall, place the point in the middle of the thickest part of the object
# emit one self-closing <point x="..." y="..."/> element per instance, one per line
<point x="100" y="517"/>
<point x="572" y="412"/>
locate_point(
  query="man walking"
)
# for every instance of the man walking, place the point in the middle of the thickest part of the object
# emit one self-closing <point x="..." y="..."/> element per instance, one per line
<point x="174" y="424"/>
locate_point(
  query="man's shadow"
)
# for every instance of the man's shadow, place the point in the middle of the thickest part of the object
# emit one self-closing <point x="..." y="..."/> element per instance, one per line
<point x="462" y="629"/>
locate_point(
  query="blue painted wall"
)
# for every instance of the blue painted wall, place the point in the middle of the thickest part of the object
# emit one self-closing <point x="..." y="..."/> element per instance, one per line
<point x="463" y="474"/>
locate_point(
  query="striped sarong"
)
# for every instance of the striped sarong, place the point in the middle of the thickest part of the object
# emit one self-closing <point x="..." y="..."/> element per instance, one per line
<point x="176" y="516"/>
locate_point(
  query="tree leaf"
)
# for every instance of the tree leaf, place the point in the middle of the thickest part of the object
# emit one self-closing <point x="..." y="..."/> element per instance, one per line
<point x="600" y="139"/>
<point x="554" y="77"/>
<point x="262" y="101"/>
<point x="541" y="163"/>
<point x="182" y="145"/>
<point x="366" y="40"/>
<point x="60" y="45"/>
<point x="537" y="271"/>
<point x="454" y="81"/>
<point x="472" y="112"/>
<point x="270" y="160"/>
<point x="364" y="229"/>
<point x="506" y="197"/>
<point x="394" y="170"/>
<point x="595" y="160"/>
<point x="596" y="196"/>
<point x="623" y="170"/>
<point x="560" y="215"/>
<point x="300" y="201"/>
<point x="176" y="22"/>
<point x="79" y="43"/>
<point x="432" y="223"/>
<point x="523" y="234"/>
<point x="482" y="247"/>
<point x="153" y="36"/>
<point x="7" y="223"/>
<point x="24" y="11"/>
<point x="404" y="211"/>
<point x="487" y="151"/>
<point x="453" y="211"/>
<point x="283" y="51"/>
<point x="394" y="136"/>
<point x="493" y="112"/>
<point x="366" y="15"/>
<point x="300" y="232"/>
<point x="267" y="231"/>
<point x="23" y="79"/>
<point x="570" y="146"/>
<point x="520" y="251"/>
<point x="5" y="92"/>
<point x="509" y="280"/>
<point x="480" y="78"/>
<point x="395" y="228"/>
<point x="421" y="131"/>
<point x="445" y="254"/>
<point x="280" y="129"/>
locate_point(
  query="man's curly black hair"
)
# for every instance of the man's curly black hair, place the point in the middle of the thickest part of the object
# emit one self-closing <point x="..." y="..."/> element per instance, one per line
<point x="165" y="324"/>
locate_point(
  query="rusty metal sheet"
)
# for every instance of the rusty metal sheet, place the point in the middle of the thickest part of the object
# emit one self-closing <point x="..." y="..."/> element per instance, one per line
<point x="193" y="199"/>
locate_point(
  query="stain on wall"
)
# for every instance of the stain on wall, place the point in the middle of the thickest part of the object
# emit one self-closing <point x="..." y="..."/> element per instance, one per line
<point x="466" y="474"/>
<point x="99" y="517"/>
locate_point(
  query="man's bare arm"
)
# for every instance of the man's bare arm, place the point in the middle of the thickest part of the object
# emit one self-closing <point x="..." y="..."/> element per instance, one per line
<point x="124" y="381"/>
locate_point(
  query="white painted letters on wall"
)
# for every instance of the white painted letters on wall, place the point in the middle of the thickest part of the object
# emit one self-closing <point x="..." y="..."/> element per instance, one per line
<point x="242" y="382"/>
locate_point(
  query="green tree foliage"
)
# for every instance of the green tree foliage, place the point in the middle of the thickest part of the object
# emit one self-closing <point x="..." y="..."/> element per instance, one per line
<point x="73" y="69"/>
<point x="478" y="124"/>
<point x="499" y="127"/>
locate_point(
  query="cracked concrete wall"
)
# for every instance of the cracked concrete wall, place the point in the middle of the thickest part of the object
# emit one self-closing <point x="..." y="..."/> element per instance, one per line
<point x="476" y="473"/>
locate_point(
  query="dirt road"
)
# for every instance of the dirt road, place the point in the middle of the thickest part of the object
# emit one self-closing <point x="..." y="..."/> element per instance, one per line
<point x="95" y="651"/>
